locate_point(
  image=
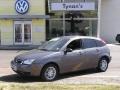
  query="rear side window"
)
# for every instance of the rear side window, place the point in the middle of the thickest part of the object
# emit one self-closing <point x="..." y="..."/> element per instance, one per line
<point x="89" y="43"/>
<point x="100" y="43"/>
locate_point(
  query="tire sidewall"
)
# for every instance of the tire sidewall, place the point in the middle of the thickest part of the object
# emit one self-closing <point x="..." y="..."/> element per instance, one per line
<point x="45" y="68"/>
<point x="99" y="65"/>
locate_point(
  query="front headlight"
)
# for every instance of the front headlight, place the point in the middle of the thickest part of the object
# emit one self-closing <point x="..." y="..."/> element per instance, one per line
<point x="29" y="61"/>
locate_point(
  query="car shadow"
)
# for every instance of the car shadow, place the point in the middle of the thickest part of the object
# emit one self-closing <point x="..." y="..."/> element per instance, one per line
<point x="18" y="79"/>
<point x="78" y="73"/>
<point x="116" y="44"/>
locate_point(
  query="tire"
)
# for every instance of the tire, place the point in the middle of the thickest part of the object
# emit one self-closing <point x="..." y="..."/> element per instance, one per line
<point x="49" y="72"/>
<point x="118" y="37"/>
<point x="102" y="65"/>
<point x="119" y="41"/>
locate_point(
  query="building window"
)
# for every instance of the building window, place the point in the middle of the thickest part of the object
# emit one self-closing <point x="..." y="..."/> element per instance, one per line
<point x="0" y="37"/>
<point x="22" y="32"/>
<point x="72" y="22"/>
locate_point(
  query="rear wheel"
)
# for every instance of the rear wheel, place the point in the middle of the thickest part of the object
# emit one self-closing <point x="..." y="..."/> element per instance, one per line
<point x="102" y="65"/>
<point x="119" y="41"/>
<point x="49" y="72"/>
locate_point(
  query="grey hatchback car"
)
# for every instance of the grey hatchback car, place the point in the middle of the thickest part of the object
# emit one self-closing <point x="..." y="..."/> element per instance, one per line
<point x="62" y="55"/>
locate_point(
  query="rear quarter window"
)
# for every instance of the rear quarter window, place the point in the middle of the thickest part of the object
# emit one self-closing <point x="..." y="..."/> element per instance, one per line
<point x="100" y="43"/>
<point x="89" y="43"/>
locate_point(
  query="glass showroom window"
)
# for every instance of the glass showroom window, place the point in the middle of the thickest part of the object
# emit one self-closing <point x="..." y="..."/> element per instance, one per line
<point x="72" y="22"/>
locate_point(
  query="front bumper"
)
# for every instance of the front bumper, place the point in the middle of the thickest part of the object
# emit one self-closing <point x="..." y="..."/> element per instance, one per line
<point x="27" y="70"/>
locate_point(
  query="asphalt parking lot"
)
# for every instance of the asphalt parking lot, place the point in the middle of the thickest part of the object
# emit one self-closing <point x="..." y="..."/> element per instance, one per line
<point x="111" y="76"/>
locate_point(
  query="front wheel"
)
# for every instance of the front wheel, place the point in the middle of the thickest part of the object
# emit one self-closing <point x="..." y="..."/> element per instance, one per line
<point x="102" y="65"/>
<point x="49" y="72"/>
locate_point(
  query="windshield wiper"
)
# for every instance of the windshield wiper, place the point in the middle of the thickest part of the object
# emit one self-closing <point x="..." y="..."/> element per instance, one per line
<point x="43" y="49"/>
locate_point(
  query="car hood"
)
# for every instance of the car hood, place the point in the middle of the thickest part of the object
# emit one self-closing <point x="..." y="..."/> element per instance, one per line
<point x="34" y="54"/>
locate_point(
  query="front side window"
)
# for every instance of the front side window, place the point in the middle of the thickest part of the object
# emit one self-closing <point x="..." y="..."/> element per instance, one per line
<point x="74" y="45"/>
<point x="89" y="43"/>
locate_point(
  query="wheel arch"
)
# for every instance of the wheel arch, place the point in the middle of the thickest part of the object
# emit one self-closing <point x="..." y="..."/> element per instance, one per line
<point x="106" y="57"/>
<point x="51" y="63"/>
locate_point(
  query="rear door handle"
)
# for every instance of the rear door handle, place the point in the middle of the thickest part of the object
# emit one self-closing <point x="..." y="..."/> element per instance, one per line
<point x="97" y="50"/>
<point x="80" y="53"/>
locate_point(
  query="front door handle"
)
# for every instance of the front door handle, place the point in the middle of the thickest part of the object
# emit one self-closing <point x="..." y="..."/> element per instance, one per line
<point x="80" y="53"/>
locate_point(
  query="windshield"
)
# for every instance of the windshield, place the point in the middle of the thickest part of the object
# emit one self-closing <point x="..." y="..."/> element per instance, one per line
<point x="54" y="44"/>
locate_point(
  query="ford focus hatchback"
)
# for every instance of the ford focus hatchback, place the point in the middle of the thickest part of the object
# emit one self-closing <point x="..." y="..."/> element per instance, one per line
<point x="62" y="55"/>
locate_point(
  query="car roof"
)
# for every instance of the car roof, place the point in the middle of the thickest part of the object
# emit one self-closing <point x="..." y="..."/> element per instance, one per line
<point x="80" y="37"/>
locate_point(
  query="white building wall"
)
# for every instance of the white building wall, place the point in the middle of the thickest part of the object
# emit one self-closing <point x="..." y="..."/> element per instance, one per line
<point x="110" y="20"/>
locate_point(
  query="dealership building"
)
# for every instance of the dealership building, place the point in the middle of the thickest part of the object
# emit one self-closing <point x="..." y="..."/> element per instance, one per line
<point x="30" y="22"/>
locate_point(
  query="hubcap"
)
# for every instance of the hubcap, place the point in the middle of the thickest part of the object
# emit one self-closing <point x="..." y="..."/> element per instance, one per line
<point x="103" y="65"/>
<point x="50" y="73"/>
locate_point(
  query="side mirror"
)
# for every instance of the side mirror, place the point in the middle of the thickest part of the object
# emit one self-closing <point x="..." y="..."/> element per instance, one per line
<point x="68" y="50"/>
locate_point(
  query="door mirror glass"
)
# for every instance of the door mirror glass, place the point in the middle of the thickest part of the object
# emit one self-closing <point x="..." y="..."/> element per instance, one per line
<point x="68" y="50"/>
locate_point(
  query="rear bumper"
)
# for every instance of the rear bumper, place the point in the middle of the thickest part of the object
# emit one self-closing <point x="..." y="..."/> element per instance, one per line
<point x="110" y="58"/>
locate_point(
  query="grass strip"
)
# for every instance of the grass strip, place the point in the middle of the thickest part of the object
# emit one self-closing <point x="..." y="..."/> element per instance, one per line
<point x="56" y="87"/>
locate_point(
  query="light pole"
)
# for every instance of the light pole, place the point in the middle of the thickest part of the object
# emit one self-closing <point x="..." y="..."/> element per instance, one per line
<point x="99" y="17"/>
<point x="63" y="21"/>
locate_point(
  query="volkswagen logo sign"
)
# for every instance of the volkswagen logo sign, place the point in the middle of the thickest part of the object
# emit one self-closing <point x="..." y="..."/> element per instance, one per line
<point x="22" y="6"/>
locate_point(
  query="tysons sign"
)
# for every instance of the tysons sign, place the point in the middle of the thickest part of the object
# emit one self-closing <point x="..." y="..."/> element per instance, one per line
<point x="22" y="6"/>
<point x="72" y="6"/>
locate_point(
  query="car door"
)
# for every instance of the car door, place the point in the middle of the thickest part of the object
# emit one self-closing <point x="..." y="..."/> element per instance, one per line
<point x="73" y="60"/>
<point x="90" y="53"/>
